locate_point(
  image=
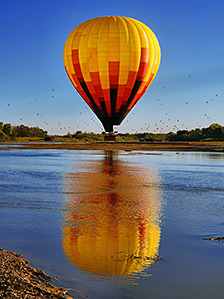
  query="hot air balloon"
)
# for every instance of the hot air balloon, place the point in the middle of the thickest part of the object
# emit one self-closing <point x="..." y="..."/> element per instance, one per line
<point x="111" y="61"/>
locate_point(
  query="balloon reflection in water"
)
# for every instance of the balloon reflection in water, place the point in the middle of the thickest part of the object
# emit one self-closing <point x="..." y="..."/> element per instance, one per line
<point x="112" y="217"/>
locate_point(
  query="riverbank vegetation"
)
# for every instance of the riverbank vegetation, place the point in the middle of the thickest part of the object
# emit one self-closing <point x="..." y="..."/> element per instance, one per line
<point x="22" y="133"/>
<point x="9" y="132"/>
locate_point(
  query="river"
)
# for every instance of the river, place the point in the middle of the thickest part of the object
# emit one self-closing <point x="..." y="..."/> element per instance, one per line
<point x="117" y="224"/>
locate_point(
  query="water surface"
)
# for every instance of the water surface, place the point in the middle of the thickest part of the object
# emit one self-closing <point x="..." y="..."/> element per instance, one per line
<point x="117" y="224"/>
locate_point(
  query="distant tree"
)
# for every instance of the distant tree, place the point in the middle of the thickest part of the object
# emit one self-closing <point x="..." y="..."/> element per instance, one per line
<point x="171" y="136"/>
<point x="24" y="131"/>
<point x="2" y="135"/>
<point x="195" y="135"/>
<point x="78" y="135"/>
<point x="37" y="132"/>
<point x="214" y="131"/>
<point x="217" y="131"/>
<point x="21" y="131"/>
<point x="7" y="129"/>
<point x="69" y="135"/>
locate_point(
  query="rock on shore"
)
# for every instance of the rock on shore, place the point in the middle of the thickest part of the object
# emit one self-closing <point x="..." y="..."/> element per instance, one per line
<point x="19" y="280"/>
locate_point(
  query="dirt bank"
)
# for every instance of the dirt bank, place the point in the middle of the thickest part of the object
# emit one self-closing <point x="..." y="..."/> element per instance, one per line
<point x="127" y="146"/>
<point x="19" y="280"/>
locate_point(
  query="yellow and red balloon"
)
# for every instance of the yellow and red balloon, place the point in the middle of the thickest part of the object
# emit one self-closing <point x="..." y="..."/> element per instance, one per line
<point x="111" y="61"/>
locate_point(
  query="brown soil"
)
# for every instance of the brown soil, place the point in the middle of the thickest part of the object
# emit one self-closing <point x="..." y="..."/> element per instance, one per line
<point x="19" y="280"/>
<point x="129" y="146"/>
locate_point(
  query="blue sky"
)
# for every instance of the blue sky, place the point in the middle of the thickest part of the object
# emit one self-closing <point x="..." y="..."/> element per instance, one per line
<point x="188" y="91"/>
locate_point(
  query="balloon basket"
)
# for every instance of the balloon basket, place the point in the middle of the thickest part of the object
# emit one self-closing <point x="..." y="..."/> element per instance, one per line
<point x="111" y="137"/>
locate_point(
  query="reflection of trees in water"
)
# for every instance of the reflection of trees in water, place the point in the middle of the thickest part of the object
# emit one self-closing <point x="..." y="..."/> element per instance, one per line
<point x="111" y="226"/>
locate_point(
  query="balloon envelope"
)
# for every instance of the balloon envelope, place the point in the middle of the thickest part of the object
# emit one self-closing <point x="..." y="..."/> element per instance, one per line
<point x="111" y="61"/>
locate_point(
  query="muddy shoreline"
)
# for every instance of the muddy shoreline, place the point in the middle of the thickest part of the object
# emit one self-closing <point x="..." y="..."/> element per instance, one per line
<point x="123" y="146"/>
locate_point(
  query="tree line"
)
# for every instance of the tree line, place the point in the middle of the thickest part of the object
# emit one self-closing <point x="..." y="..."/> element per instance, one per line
<point x="214" y="132"/>
<point x="9" y="132"/>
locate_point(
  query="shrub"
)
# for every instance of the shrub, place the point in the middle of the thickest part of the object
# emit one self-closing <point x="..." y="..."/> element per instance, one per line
<point x="48" y="138"/>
